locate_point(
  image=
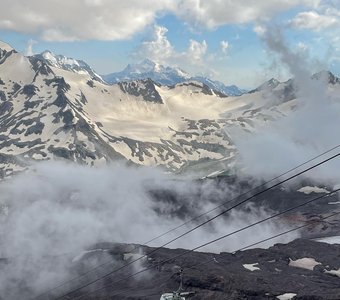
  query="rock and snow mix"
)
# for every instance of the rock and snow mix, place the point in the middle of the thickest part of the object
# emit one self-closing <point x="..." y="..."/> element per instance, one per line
<point x="56" y="107"/>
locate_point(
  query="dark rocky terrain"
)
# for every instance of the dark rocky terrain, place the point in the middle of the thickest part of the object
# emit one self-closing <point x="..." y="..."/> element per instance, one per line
<point x="217" y="276"/>
<point x="274" y="200"/>
<point x="221" y="276"/>
<point x="208" y="275"/>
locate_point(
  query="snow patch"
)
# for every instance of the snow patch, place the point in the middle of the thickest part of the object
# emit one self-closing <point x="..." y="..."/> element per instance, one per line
<point x="333" y="272"/>
<point x="252" y="267"/>
<point x="304" y="263"/>
<point x="334" y="203"/>
<point x="330" y="240"/>
<point x="216" y="173"/>
<point x="312" y="189"/>
<point x="170" y="296"/>
<point x="286" y="296"/>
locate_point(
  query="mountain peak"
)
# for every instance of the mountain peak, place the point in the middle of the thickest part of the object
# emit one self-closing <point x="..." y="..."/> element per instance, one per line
<point x="149" y="66"/>
<point x="268" y="85"/>
<point x="144" y="66"/>
<point x="59" y="60"/>
<point x="327" y="76"/>
<point x="148" y="62"/>
<point x="166" y="75"/>
<point x="68" y="64"/>
<point x="5" y="46"/>
<point x="50" y="57"/>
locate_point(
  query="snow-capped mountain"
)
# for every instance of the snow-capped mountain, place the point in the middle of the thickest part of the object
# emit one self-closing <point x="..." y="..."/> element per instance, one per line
<point x="167" y="76"/>
<point x="51" y="112"/>
<point x="326" y="76"/>
<point x="268" y="85"/>
<point x="230" y="90"/>
<point x="68" y="64"/>
<point x="287" y="90"/>
<point x="148" y="69"/>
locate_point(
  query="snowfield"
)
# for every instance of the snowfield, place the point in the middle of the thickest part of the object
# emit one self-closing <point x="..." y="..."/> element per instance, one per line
<point x="56" y="107"/>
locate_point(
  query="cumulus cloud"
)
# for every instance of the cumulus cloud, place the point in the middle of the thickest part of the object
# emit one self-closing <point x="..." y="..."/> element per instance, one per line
<point x="302" y="46"/>
<point x="159" y="49"/>
<point x="196" y="51"/>
<point x="314" y="21"/>
<point x="61" y="20"/>
<point x="29" y="48"/>
<point x="259" y="30"/>
<point x="215" y="13"/>
<point x="224" y="46"/>
<point x="57" y="20"/>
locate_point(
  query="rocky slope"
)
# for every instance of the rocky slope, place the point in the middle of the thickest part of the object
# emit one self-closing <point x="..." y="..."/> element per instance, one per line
<point x="68" y="64"/>
<point x="252" y="274"/>
<point x="299" y="270"/>
<point x="49" y="110"/>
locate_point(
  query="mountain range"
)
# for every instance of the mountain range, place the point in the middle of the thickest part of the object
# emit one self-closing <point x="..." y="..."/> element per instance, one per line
<point x="147" y="69"/>
<point x="52" y="107"/>
<point x="167" y="76"/>
<point x="68" y="64"/>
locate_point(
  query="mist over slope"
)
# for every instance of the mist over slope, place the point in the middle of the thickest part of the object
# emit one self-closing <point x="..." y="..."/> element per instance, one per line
<point x="308" y="130"/>
<point x="52" y="214"/>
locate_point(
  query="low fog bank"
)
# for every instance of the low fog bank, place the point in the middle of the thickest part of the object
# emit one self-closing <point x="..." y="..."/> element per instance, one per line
<point x="308" y="130"/>
<point x="51" y="214"/>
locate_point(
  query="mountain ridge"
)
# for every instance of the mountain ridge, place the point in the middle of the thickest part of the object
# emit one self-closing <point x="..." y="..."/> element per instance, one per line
<point x="166" y="75"/>
<point x="48" y="112"/>
<point x="146" y="69"/>
<point x="68" y="64"/>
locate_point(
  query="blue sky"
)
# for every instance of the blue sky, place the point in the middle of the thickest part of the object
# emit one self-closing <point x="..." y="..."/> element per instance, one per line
<point x="222" y="39"/>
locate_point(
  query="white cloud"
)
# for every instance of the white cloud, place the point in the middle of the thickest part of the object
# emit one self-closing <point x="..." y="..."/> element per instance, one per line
<point x="214" y="13"/>
<point x="29" y="49"/>
<point x="314" y="21"/>
<point x="224" y="46"/>
<point x="61" y="20"/>
<point x="292" y="139"/>
<point x="196" y="51"/>
<point x="94" y="2"/>
<point x="302" y="46"/>
<point x="260" y="30"/>
<point x="158" y="49"/>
